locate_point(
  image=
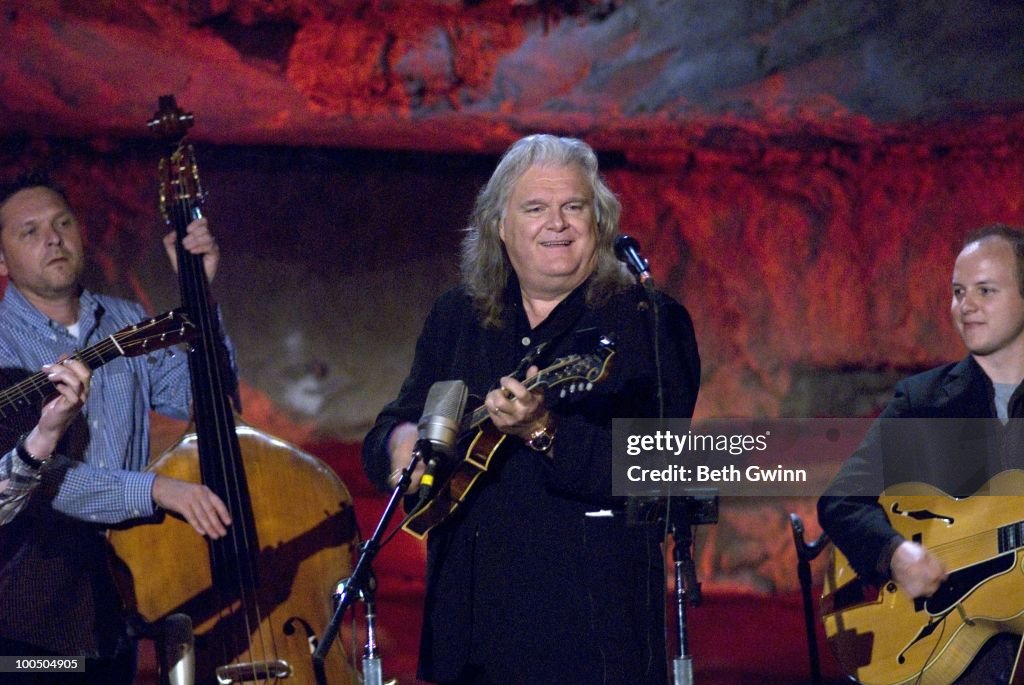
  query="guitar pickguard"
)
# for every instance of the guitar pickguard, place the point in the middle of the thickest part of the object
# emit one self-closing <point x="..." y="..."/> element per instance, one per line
<point x="963" y="582"/>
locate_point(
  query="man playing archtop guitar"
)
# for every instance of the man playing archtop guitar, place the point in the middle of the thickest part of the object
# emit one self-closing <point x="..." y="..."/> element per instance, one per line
<point x="950" y="603"/>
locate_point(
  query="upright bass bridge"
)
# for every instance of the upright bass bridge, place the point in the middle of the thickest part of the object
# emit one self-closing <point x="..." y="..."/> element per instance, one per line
<point x="253" y="672"/>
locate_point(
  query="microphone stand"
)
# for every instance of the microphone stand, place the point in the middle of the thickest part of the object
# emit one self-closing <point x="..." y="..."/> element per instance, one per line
<point x="686" y="587"/>
<point x="677" y="517"/>
<point x="360" y="582"/>
<point x="372" y="671"/>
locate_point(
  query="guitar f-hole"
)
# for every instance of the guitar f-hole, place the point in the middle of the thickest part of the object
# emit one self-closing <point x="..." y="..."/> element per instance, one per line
<point x="921" y="514"/>
<point x="925" y="631"/>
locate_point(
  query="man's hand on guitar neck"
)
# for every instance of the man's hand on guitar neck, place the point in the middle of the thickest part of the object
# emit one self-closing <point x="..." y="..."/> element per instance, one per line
<point x="70" y="378"/>
<point x="916" y="570"/>
<point x="515" y="410"/>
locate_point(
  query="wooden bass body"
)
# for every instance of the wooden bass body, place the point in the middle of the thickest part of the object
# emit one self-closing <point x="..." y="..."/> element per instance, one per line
<point x="306" y="530"/>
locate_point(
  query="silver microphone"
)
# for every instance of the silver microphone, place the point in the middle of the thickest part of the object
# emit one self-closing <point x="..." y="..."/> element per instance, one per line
<point x="442" y="412"/>
<point x="176" y="655"/>
<point x="439" y="428"/>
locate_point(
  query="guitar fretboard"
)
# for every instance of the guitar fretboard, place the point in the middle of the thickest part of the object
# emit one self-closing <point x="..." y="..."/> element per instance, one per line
<point x="38" y="387"/>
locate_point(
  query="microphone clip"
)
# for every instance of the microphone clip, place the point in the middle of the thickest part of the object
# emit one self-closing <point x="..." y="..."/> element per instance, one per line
<point x="432" y="460"/>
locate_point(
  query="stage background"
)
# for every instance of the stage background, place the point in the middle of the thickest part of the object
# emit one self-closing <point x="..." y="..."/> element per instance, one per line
<point x="800" y="174"/>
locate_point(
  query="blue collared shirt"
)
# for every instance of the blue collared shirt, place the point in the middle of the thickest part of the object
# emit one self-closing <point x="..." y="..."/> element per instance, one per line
<point x="103" y="482"/>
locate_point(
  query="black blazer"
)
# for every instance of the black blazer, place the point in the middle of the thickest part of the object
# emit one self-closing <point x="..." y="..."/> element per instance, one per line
<point x="952" y="441"/>
<point x="521" y="580"/>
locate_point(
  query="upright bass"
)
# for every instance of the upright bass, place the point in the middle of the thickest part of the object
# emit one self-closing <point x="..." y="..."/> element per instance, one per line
<point x="259" y="596"/>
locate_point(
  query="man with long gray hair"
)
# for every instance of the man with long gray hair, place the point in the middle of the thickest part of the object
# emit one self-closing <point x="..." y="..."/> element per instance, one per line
<point x="537" y="577"/>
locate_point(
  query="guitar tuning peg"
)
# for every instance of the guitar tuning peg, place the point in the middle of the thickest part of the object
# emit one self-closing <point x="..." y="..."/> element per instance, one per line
<point x="590" y="386"/>
<point x="562" y="393"/>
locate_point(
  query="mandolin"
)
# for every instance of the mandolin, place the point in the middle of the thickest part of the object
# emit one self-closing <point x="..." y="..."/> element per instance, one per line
<point x="572" y="374"/>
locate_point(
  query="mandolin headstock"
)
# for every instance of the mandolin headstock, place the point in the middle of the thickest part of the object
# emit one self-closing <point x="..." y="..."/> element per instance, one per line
<point x="577" y="372"/>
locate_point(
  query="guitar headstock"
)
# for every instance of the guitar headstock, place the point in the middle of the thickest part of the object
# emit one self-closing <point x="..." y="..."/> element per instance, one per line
<point x="577" y="372"/>
<point x="157" y="333"/>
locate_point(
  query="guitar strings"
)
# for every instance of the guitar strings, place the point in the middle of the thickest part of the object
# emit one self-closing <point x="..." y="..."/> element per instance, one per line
<point x="36" y="386"/>
<point x="966" y="550"/>
<point x="193" y="272"/>
<point x="960" y="553"/>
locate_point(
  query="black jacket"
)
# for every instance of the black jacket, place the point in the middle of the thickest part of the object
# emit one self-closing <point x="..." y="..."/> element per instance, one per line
<point x="521" y="581"/>
<point x="952" y="441"/>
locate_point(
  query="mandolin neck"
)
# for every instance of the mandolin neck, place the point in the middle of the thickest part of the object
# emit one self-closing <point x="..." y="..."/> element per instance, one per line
<point x="478" y="416"/>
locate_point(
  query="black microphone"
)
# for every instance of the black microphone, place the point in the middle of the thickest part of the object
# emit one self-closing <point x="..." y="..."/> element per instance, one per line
<point x="627" y="249"/>
<point x="439" y="428"/>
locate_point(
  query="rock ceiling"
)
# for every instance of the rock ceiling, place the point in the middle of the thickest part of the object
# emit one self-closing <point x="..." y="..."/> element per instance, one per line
<point x="470" y="75"/>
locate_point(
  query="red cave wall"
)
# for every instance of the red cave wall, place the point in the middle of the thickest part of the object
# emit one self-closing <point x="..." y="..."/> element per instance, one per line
<point x="801" y="269"/>
<point x="816" y="263"/>
<point x="815" y="279"/>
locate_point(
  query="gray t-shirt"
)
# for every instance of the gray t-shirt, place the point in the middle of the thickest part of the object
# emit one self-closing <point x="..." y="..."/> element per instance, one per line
<point x="1004" y="391"/>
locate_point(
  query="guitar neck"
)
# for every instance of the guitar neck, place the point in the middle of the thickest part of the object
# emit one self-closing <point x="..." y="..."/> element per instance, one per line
<point x="38" y="387"/>
<point x="1010" y="536"/>
<point x="478" y="416"/>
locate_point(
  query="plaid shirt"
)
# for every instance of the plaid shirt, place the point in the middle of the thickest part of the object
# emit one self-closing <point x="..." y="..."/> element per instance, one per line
<point x="17" y="481"/>
<point x="108" y="445"/>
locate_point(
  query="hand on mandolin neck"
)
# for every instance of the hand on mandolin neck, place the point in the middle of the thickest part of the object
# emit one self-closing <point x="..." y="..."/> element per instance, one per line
<point x="516" y="410"/>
